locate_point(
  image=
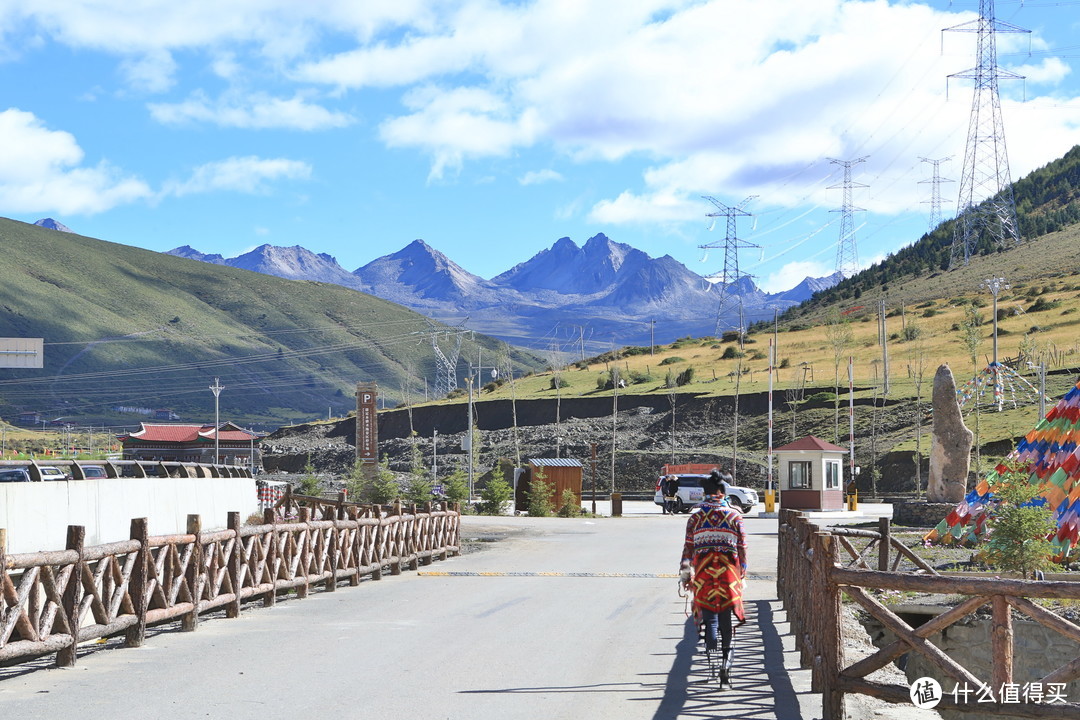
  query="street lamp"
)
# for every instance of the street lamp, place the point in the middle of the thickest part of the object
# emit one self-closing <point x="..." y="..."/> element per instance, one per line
<point x="216" y="388"/>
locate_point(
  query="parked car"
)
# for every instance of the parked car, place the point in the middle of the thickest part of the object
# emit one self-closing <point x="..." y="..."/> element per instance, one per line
<point x="14" y="475"/>
<point x="90" y="472"/>
<point x="691" y="494"/>
<point x="48" y="472"/>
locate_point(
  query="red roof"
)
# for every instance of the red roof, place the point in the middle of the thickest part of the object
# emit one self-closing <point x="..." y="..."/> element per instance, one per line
<point x="811" y="443"/>
<point x="152" y="432"/>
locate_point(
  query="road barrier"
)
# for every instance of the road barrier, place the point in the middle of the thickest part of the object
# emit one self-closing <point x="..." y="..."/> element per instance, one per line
<point x="52" y="601"/>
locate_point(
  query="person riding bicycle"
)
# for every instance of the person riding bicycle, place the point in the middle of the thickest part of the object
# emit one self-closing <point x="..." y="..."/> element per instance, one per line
<point x="713" y="566"/>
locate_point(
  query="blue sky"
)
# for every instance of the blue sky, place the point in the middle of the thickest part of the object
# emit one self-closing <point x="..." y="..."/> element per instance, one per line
<point x="491" y="129"/>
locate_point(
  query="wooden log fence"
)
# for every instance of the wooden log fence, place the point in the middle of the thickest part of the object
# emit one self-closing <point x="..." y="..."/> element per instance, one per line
<point x="50" y="602"/>
<point x="811" y="581"/>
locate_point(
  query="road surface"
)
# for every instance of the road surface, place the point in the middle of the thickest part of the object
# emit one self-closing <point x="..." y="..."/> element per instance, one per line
<point x="571" y="619"/>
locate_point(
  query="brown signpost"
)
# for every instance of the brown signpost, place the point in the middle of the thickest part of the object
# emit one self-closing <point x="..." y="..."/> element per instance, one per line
<point x="367" y="427"/>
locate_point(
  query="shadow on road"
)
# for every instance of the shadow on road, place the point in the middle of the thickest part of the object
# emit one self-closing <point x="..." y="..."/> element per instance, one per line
<point x="761" y="687"/>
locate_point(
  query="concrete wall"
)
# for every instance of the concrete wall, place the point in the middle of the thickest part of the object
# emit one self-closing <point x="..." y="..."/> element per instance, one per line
<point x="36" y="514"/>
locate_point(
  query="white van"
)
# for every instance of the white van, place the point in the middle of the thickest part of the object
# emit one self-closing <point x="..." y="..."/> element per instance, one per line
<point x="690" y="494"/>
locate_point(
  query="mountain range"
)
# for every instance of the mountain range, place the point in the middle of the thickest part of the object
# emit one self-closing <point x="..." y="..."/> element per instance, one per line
<point x="602" y="289"/>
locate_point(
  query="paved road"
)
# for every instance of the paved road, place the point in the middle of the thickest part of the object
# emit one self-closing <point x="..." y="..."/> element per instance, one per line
<point x="470" y="647"/>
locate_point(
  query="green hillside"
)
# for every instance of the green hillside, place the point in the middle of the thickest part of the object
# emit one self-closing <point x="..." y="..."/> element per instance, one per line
<point x="135" y="328"/>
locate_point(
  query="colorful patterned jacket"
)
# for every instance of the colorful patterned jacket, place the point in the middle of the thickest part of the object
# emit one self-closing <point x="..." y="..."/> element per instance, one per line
<point x="716" y="527"/>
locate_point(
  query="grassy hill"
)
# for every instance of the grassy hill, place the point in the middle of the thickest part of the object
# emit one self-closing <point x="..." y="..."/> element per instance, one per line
<point x="926" y="315"/>
<point x="130" y="327"/>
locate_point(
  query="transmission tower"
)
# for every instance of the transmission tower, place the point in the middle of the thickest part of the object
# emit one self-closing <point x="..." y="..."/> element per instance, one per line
<point x="985" y="206"/>
<point x="935" y="190"/>
<point x="730" y="274"/>
<point x="446" y="365"/>
<point x="847" y="253"/>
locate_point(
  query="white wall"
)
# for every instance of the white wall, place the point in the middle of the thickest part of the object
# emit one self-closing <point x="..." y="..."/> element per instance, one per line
<point x="36" y="514"/>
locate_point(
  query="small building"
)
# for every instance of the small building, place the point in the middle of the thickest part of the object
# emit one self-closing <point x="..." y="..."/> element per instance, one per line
<point x="561" y="473"/>
<point x="192" y="443"/>
<point x="811" y="474"/>
<point x="29" y="418"/>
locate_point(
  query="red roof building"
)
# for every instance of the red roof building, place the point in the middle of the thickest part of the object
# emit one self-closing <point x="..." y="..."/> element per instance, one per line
<point x="811" y="474"/>
<point x="192" y="443"/>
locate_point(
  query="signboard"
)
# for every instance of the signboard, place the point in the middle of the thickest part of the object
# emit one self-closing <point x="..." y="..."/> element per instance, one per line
<point x="367" y="426"/>
<point x="22" y="353"/>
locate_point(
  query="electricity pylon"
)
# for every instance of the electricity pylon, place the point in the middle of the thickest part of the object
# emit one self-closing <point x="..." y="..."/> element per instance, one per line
<point x="730" y="275"/>
<point x="847" y="253"/>
<point x="986" y="206"/>
<point x="446" y="365"/>
<point x="935" y="189"/>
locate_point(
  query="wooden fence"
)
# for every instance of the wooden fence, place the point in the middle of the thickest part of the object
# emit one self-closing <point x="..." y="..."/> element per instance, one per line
<point x="52" y="601"/>
<point x="811" y="580"/>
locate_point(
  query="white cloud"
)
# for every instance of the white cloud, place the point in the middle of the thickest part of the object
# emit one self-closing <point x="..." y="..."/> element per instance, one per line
<point x="536" y="177"/>
<point x="248" y="175"/>
<point x="153" y="72"/>
<point x="41" y="170"/>
<point x="792" y="274"/>
<point x="254" y="111"/>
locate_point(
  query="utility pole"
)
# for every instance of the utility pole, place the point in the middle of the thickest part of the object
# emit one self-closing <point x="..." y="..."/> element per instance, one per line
<point x="652" y="338"/>
<point x="986" y="202"/>
<point x="935" y="189"/>
<point x="847" y="253"/>
<point x="216" y="388"/>
<point x="995" y="285"/>
<point x="883" y="333"/>
<point x="729" y="277"/>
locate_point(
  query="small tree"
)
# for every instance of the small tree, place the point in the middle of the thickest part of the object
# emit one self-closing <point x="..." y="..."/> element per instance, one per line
<point x="1018" y="529"/>
<point x="540" y="491"/>
<point x="380" y="490"/>
<point x="569" y="505"/>
<point x="456" y="487"/>
<point x="496" y="494"/>
<point x="309" y="483"/>
<point x="419" y="491"/>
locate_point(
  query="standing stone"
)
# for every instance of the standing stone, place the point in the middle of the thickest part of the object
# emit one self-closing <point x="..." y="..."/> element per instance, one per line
<point x="950" y="449"/>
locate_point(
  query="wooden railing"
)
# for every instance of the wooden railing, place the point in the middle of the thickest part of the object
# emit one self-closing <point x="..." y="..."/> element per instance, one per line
<point x="52" y="601"/>
<point x="811" y="581"/>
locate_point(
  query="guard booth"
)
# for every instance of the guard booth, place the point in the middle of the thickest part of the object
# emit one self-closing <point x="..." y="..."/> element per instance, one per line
<point x="811" y="474"/>
<point x="561" y="473"/>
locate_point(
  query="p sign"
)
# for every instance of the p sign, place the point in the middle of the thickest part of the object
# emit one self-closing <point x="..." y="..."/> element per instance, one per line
<point x="367" y="424"/>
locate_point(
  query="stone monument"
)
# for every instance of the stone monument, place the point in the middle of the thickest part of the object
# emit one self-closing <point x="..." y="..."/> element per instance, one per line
<point x="950" y="448"/>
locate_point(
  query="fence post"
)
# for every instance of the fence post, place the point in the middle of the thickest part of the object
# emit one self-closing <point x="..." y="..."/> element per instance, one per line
<point x="236" y="563"/>
<point x="829" y="641"/>
<point x="270" y="518"/>
<point x="335" y="557"/>
<point x="454" y="537"/>
<point x="304" y="565"/>
<point x="136" y="634"/>
<point x="190" y="621"/>
<point x="884" y="544"/>
<point x="376" y="512"/>
<point x="76" y="538"/>
<point x="357" y="544"/>
<point x="414" y="539"/>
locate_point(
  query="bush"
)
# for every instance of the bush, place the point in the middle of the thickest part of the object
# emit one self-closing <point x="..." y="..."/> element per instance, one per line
<point x="911" y="332"/>
<point x="685" y="377"/>
<point x="671" y="360"/>
<point x="930" y="312"/>
<point x="309" y="483"/>
<point x="785" y="363"/>
<point x="569" y="505"/>
<point x="730" y="336"/>
<point x="1018" y="528"/>
<point x="757" y="355"/>
<point x="731" y="352"/>
<point x="1042" y="303"/>
<point x="383" y="489"/>
<point x="496" y="494"/>
<point x="559" y="382"/>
